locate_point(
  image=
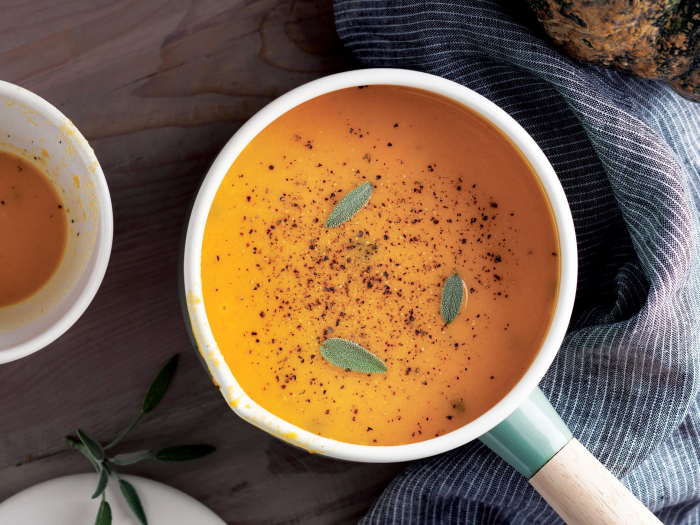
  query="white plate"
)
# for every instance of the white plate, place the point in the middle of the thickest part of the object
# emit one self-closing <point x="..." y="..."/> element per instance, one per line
<point x="66" y="501"/>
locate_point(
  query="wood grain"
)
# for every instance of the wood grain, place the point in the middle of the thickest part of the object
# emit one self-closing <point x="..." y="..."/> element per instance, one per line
<point x="158" y="87"/>
<point x="584" y="492"/>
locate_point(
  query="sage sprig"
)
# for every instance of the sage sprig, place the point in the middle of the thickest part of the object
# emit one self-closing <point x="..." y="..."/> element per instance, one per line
<point x="350" y="205"/>
<point x="104" y="465"/>
<point x="453" y="293"/>
<point x="348" y="355"/>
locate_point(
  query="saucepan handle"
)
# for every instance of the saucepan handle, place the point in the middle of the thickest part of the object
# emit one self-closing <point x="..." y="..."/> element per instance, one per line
<point x="582" y="491"/>
<point x="537" y="443"/>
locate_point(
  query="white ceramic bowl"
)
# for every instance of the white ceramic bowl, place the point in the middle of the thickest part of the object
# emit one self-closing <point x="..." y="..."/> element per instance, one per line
<point x="33" y="128"/>
<point x="224" y="377"/>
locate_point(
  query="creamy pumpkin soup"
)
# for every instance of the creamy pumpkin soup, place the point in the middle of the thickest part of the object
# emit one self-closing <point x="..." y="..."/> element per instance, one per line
<point x="380" y="266"/>
<point x="33" y="229"/>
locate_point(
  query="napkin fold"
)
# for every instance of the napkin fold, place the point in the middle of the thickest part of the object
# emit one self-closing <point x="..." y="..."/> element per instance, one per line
<point x="627" y="152"/>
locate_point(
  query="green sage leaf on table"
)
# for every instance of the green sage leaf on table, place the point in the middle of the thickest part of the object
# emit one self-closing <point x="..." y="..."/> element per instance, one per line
<point x="160" y="385"/>
<point x="184" y="452"/>
<point x="129" y="458"/>
<point x="93" y="446"/>
<point x="104" y="514"/>
<point x="350" y="205"/>
<point x="452" y="298"/>
<point x="348" y="355"/>
<point x="101" y="484"/>
<point x="133" y="500"/>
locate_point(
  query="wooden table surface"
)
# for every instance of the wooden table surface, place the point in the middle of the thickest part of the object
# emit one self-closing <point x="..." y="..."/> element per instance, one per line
<point x="158" y="87"/>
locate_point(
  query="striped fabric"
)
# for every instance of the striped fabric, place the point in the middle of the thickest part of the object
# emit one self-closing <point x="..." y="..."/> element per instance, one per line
<point x="627" y="151"/>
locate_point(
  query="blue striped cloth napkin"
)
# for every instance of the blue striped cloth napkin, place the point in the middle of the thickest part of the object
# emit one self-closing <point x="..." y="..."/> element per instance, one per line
<point x="627" y="151"/>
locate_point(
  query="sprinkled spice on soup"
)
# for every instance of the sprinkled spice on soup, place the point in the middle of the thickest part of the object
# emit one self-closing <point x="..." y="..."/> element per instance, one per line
<point x="456" y="221"/>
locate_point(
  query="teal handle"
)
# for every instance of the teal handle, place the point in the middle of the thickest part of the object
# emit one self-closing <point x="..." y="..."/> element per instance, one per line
<point x="529" y="437"/>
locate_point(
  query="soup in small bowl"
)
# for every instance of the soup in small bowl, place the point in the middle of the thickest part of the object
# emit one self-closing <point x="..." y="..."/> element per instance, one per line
<point x="55" y="223"/>
<point x="380" y="266"/>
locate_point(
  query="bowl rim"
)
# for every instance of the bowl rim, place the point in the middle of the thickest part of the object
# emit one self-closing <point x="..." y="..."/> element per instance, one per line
<point x="239" y="400"/>
<point x="105" y="228"/>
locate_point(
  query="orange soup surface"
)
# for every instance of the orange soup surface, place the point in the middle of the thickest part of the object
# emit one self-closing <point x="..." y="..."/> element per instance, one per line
<point x="451" y="194"/>
<point x="33" y="229"/>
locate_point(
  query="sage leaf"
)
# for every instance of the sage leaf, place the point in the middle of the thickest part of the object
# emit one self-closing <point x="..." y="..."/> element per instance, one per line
<point x="101" y="484"/>
<point x="93" y="446"/>
<point x="77" y="445"/>
<point x="133" y="500"/>
<point x="350" y="205"/>
<point x="184" y="452"/>
<point x="348" y="355"/>
<point x="452" y="298"/>
<point x="160" y="385"/>
<point x="129" y="458"/>
<point x="104" y="514"/>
